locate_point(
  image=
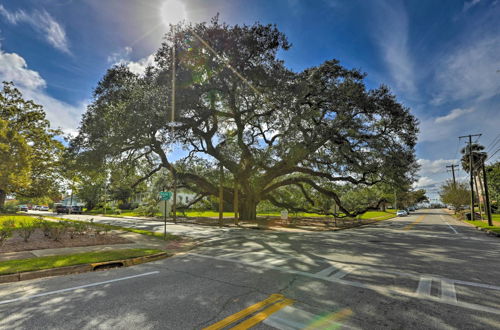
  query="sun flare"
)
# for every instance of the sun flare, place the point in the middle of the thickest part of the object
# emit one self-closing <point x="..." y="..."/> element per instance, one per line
<point x="172" y="11"/>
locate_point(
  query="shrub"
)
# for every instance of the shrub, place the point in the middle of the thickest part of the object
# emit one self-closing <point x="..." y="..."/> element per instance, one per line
<point x="46" y="226"/>
<point x="58" y="230"/>
<point x="9" y="208"/>
<point x="9" y="224"/>
<point x="5" y="232"/>
<point x="25" y="230"/>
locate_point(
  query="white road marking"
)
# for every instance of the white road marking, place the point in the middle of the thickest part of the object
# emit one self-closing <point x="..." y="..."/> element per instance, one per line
<point x="327" y="271"/>
<point x="377" y="288"/>
<point x="424" y="286"/>
<point x="75" y="288"/>
<point x="442" y="218"/>
<point x="336" y="270"/>
<point x="448" y="291"/>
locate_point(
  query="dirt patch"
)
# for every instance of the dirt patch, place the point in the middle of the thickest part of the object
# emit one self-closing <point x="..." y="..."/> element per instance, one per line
<point x="39" y="241"/>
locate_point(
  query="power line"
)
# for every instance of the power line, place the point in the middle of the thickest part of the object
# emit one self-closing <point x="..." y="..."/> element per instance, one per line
<point x="496" y="137"/>
<point x="493" y="154"/>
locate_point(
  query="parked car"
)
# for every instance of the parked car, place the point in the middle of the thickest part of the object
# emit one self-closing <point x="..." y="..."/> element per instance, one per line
<point x="43" y="208"/>
<point x="66" y="209"/>
<point x="401" y="213"/>
<point x="23" y="208"/>
<point x="76" y="209"/>
<point x="61" y="209"/>
<point x="411" y="208"/>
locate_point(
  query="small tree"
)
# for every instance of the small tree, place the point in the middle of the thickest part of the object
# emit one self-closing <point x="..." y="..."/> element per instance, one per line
<point x="455" y="195"/>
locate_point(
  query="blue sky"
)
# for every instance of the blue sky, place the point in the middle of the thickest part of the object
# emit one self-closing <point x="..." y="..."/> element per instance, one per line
<point x="441" y="58"/>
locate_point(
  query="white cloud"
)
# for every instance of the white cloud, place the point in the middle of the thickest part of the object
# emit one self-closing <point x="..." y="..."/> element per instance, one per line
<point x="42" y="22"/>
<point x="428" y="167"/>
<point x="391" y="34"/>
<point x="123" y="57"/>
<point x="424" y="182"/>
<point x="14" y="68"/>
<point x="60" y="114"/>
<point x="140" y="66"/>
<point x="120" y="56"/>
<point x="455" y="113"/>
<point x="469" y="4"/>
<point x="469" y="71"/>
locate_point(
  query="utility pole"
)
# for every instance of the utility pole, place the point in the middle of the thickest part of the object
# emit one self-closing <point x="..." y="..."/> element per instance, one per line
<point x="221" y="195"/>
<point x="172" y="120"/>
<point x="487" y="195"/>
<point x="471" y="171"/>
<point x="453" y="173"/>
<point x="174" y="204"/>
<point x="236" y="202"/>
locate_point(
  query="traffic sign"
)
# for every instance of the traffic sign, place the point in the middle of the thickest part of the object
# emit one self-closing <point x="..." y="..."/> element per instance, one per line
<point x="165" y="195"/>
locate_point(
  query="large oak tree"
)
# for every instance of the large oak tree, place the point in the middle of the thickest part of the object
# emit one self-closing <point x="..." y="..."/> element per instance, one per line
<point x="238" y="106"/>
<point x="31" y="170"/>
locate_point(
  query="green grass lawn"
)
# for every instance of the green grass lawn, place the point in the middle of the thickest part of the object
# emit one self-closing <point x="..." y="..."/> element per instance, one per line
<point x="17" y="219"/>
<point x="379" y="215"/>
<point x="484" y="224"/>
<point x="25" y="265"/>
<point x="133" y="230"/>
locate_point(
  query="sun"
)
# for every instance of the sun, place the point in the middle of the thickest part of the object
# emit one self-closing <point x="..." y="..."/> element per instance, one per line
<point x="172" y="11"/>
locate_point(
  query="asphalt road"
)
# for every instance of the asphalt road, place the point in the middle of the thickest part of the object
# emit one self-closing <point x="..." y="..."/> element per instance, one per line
<point x="425" y="271"/>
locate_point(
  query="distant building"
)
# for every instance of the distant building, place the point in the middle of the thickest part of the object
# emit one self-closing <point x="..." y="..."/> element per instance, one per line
<point x="73" y="201"/>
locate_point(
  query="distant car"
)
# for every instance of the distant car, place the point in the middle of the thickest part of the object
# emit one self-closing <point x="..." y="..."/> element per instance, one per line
<point x="62" y="209"/>
<point x="43" y="208"/>
<point x="76" y="209"/>
<point x="401" y="213"/>
<point x="66" y="209"/>
<point x="23" y="208"/>
<point x="411" y="208"/>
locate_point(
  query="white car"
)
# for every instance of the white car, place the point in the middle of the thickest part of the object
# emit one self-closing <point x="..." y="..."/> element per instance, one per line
<point x="43" y="208"/>
<point x="401" y="213"/>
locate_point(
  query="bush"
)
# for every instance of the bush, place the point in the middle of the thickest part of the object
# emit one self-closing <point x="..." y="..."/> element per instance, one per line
<point x="9" y="224"/>
<point x="45" y="226"/>
<point x="58" y="230"/>
<point x="9" y="208"/>
<point x="5" y="232"/>
<point x="25" y="230"/>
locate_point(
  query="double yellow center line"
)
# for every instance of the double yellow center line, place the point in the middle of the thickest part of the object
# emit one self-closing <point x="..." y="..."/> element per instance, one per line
<point x="274" y="303"/>
<point x="410" y="226"/>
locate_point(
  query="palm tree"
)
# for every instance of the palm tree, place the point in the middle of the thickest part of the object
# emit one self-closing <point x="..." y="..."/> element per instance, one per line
<point x="478" y="157"/>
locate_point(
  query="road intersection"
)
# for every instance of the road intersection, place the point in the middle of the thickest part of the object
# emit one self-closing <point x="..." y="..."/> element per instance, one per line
<point x="425" y="271"/>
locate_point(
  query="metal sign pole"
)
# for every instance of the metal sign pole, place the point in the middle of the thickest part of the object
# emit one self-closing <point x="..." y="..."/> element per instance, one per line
<point x="165" y="221"/>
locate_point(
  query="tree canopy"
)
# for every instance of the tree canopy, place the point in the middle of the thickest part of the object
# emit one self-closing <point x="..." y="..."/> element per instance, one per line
<point x="455" y="194"/>
<point x="29" y="150"/>
<point x="273" y="130"/>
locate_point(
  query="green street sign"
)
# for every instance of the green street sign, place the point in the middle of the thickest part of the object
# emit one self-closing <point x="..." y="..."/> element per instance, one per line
<point x="165" y="195"/>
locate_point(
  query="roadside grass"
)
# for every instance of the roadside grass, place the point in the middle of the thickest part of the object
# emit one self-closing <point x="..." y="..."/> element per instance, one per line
<point x="484" y="224"/>
<point x="31" y="264"/>
<point x="114" y="227"/>
<point x="379" y="215"/>
<point x="26" y="219"/>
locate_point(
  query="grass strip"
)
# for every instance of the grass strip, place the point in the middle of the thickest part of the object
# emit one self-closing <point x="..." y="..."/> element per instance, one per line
<point x="483" y="224"/>
<point x="31" y="264"/>
<point x="114" y="227"/>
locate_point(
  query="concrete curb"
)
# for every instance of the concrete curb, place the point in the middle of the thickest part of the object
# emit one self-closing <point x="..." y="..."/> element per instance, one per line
<point x="487" y="231"/>
<point x="83" y="268"/>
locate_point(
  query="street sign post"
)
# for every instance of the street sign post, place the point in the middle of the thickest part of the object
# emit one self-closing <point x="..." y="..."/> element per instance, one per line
<point x="165" y="196"/>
